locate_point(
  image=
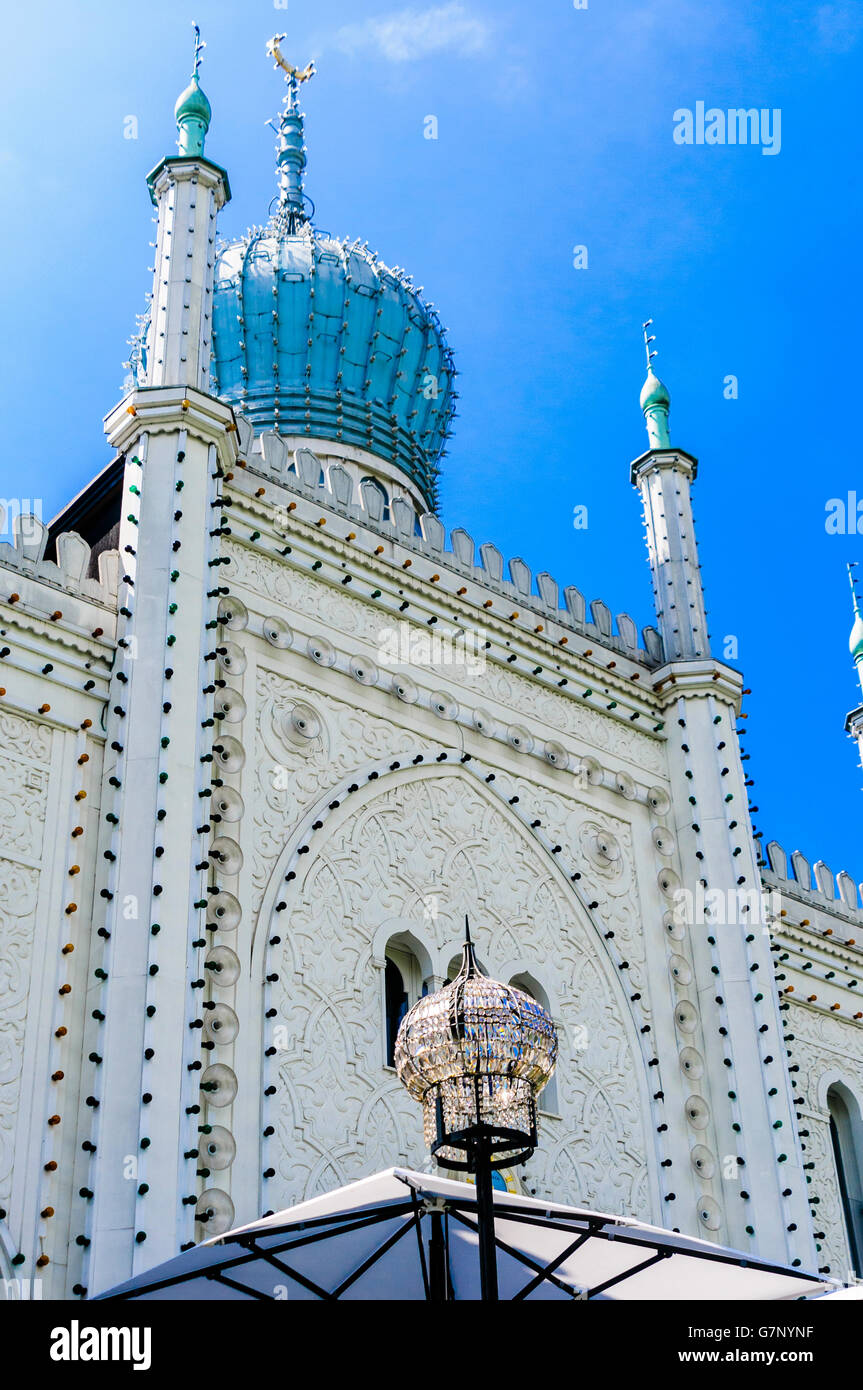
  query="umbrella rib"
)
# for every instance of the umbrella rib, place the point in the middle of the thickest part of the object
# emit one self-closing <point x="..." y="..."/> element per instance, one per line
<point x="221" y="1278"/>
<point x="291" y="1273"/>
<point x="420" y="1246"/>
<point x="382" y="1214"/>
<point x="517" y="1255"/>
<point x="628" y="1273"/>
<point x="372" y="1259"/>
<point x="377" y="1213"/>
<point x="549" y="1268"/>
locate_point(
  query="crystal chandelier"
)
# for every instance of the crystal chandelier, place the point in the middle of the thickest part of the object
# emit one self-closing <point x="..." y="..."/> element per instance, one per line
<point x="477" y="1054"/>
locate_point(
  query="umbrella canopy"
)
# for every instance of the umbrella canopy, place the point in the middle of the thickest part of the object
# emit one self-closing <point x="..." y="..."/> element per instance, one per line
<point x="402" y="1235"/>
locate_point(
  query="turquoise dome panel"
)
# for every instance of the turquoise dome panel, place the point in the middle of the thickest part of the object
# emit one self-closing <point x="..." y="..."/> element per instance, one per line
<point x="313" y="335"/>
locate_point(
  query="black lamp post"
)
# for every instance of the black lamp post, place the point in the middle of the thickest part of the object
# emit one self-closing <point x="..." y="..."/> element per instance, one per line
<point x="476" y="1054"/>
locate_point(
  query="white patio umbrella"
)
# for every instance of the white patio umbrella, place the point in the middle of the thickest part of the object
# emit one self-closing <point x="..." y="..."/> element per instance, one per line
<point x="402" y="1235"/>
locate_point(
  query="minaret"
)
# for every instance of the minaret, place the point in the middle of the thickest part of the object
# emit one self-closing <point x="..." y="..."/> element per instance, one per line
<point x="745" y="1086"/>
<point x="188" y="192"/>
<point x="664" y="477"/>
<point x="854" y="721"/>
<point x="177" y="440"/>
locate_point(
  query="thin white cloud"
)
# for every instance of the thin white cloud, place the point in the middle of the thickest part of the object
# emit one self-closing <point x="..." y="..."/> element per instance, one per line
<point x="411" y="34"/>
<point x="838" y="27"/>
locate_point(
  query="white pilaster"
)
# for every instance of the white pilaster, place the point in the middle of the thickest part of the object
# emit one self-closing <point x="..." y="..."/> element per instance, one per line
<point x="664" y="478"/>
<point x="745" y="1056"/>
<point x="188" y="194"/>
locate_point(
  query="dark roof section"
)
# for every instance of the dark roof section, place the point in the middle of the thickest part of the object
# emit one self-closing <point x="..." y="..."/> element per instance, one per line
<point x="94" y="514"/>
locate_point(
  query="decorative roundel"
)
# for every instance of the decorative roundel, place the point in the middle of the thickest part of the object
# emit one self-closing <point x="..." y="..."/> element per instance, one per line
<point x="221" y="1025"/>
<point x="686" y="1016"/>
<point x="668" y="882"/>
<point x="322" y="651"/>
<point x="606" y="848"/>
<point x="225" y="966"/>
<point x="232" y="613"/>
<point x="697" y="1112"/>
<point x="405" y="690"/>
<point x="223" y="1082"/>
<point x="444" y="706"/>
<point x="691" y="1063"/>
<point x="230" y="706"/>
<point x="663" y="840"/>
<point x="278" y="632"/>
<point x="658" y="800"/>
<point x="215" y="1210"/>
<point x="362" y="670"/>
<point x="680" y="969"/>
<point x="229" y="753"/>
<point x="702" y="1160"/>
<point x="227" y="804"/>
<point x="218" y="1149"/>
<point x="227" y="855"/>
<point x="709" y="1213"/>
<point x="590" y="770"/>
<point x="231" y="658"/>
<point x="676" y="930"/>
<point x="556" y="754"/>
<point x="625" y="785"/>
<point x="224" y="911"/>
<point x="519" y="738"/>
<point x="483" y="723"/>
<point x="302" y="723"/>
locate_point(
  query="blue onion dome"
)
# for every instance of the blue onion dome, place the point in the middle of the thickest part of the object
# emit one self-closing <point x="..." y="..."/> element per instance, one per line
<point x="193" y="104"/>
<point x="315" y="336"/>
<point x="653" y="392"/>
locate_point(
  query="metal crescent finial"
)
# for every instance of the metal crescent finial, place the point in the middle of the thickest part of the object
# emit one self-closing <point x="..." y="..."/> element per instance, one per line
<point x="294" y="74"/>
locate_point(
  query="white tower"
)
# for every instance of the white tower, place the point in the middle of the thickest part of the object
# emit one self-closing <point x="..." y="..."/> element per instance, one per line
<point x="177" y="441"/>
<point x="745" y="1079"/>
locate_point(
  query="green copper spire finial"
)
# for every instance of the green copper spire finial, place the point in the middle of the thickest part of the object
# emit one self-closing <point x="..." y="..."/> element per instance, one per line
<point x="655" y="400"/>
<point x="192" y="111"/>
<point x="856" y="642"/>
<point x="291" y="150"/>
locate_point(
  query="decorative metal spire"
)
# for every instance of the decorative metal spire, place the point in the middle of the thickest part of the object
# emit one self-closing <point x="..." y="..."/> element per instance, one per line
<point x="291" y="151"/>
<point x="655" y="400"/>
<point x="192" y="111"/>
<point x="856" y="642"/>
<point x="199" y="48"/>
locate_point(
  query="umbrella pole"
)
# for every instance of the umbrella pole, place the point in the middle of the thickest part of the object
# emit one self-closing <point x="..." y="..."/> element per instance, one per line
<point x="485" y="1220"/>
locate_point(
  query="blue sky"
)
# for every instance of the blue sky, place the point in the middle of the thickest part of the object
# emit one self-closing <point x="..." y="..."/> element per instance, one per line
<point x="555" y="129"/>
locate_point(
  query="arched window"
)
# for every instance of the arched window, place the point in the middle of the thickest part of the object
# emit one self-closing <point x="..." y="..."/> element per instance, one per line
<point x="846" y="1133"/>
<point x="378" y="485"/>
<point x="397" y="1007"/>
<point x="548" y="1096"/>
<point x="403" y="986"/>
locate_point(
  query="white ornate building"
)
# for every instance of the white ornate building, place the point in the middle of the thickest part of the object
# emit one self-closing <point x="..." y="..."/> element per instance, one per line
<point x="267" y="737"/>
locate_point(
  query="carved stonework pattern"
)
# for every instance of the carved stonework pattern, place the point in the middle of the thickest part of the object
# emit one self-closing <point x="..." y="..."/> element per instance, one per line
<point x="18" y="894"/>
<point x="349" y="738"/>
<point x="611" y="882"/>
<point x="351" y="617"/>
<point x="25" y="737"/>
<point x="421" y="851"/>
<point x="825" y="1045"/>
<point x="23" y="801"/>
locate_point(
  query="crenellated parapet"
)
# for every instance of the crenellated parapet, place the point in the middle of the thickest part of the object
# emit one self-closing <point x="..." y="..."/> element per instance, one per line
<point x="815" y="885"/>
<point x="70" y="571"/>
<point x="338" y="480"/>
